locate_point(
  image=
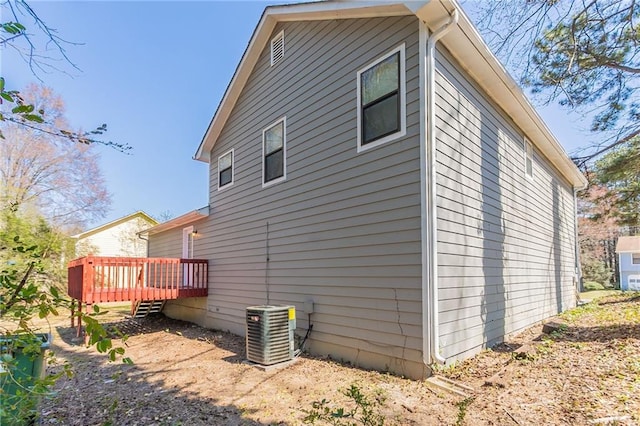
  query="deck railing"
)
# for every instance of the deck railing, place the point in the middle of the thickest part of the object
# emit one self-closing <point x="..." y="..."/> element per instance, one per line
<point x="96" y="279"/>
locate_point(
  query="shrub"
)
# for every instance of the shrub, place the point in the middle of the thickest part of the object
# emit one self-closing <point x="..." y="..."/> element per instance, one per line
<point x="592" y="285"/>
<point x="364" y="410"/>
<point x="595" y="270"/>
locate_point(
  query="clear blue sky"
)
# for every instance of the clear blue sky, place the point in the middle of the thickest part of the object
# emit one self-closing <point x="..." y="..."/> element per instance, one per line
<point x="155" y="73"/>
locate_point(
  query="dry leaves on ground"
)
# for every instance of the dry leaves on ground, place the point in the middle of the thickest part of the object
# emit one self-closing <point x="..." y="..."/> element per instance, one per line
<point x="588" y="371"/>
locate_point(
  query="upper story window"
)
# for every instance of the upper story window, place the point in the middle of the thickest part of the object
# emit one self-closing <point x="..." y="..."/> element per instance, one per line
<point x="274" y="151"/>
<point x="277" y="48"/>
<point x="635" y="258"/>
<point x="225" y="170"/>
<point x="381" y="100"/>
<point x="528" y="159"/>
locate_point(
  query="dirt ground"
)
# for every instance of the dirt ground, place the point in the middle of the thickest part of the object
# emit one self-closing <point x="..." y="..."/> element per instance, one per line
<point x="587" y="372"/>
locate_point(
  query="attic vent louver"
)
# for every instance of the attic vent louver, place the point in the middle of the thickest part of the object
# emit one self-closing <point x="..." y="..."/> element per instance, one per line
<point x="277" y="48"/>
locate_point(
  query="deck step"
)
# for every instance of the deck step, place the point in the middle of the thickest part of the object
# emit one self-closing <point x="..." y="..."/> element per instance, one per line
<point x="146" y="307"/>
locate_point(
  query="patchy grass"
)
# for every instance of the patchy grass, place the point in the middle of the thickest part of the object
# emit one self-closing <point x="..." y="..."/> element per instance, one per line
<point x="597" y="294"/>
<point x="573" y="315"/>
<point x="593" y="286"/>
<point x="600" y="309"/>
<point x="586" y="371"/>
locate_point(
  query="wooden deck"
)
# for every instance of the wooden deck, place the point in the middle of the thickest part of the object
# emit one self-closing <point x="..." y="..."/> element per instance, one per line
<point x="95" y="279"/>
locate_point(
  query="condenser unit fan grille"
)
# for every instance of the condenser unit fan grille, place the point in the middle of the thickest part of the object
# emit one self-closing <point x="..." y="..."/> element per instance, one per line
<point x="270" y="334"/>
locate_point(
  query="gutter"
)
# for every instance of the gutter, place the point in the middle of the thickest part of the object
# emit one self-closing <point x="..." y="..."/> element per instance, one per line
<point x="429" y="228"/>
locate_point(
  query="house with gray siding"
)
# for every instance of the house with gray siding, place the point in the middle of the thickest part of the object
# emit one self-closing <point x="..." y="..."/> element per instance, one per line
<point x="373" y="164"/>
<point x="628" y="250"/>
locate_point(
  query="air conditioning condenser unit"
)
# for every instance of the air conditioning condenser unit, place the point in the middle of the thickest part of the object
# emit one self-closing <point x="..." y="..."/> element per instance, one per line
<point x="270" y="334"/>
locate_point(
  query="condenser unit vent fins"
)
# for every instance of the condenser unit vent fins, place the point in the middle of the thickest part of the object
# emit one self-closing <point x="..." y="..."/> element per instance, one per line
<point x="270" y="331"/>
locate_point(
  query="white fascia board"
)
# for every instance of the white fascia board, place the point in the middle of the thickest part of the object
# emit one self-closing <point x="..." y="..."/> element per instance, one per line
<point x="118" y="221"/>
<point x="261" y="36"/>
<point x="181" y="220"/>
<point x="239" y="79"/>
<point x="342" y="10"/>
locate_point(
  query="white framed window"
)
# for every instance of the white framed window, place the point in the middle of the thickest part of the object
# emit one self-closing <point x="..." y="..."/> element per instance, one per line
<point x="277" y="48"/>
<point x="635" y="258"/>
<point x="274" y="153"/>
<point x="225" y="170"/>
<point x="382" y="100"/>
<point x="528" y="159"/>
<point x="633" y="283"/>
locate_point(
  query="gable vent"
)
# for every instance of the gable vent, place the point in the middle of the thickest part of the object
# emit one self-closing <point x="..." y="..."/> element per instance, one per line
<point x="277" y="48"/>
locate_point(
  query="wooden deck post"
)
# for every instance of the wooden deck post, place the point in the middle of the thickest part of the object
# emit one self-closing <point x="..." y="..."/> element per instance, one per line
<point x="79" y="330"/>
<point x="73" y="312"/>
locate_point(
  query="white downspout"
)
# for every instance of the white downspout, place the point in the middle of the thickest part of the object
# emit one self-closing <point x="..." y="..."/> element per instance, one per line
<point x="578" y="273"/>
<point x="430" y="323"/>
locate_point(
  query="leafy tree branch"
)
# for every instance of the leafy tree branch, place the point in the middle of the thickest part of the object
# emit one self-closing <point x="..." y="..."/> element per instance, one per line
<point x="585" y="55"/>
<point x="25" y="114"/>
<point x="20" y="11"/>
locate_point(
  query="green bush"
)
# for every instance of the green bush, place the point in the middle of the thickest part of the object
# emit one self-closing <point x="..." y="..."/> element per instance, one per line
<point x="364" y="410"/>
<point x="23" y="299"/>
<point x="595" y="270"/>
<point x="592" y="286"/>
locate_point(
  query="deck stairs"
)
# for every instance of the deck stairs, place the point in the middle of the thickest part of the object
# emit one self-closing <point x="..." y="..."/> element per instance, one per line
<point x="146" y="307"/>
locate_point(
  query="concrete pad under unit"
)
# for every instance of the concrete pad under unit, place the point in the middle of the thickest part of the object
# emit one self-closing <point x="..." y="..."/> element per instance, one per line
<point x="267" y="368"/>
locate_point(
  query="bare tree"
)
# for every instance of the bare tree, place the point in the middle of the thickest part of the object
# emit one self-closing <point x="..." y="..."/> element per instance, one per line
<point x="38" y="169"/>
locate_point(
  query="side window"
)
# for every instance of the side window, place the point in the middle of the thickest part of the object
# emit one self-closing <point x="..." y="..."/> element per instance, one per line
<point x="274" y="151"/>
<point x="528" y="159"/>
<point x="381" y="100"/>
<point x="225" y="170"/>
<point x="635" y="258"/>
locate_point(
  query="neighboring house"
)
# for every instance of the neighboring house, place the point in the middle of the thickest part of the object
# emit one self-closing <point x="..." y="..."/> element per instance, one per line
<point x="117" y="238"/>
<point x="628" y="249"/>
<point x="413" y="195"/>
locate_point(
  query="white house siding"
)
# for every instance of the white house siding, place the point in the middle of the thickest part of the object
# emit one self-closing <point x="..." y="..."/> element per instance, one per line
<point x="343" y="230"/>
<point x="506" y="242"/>
<point x="117" y="240"/>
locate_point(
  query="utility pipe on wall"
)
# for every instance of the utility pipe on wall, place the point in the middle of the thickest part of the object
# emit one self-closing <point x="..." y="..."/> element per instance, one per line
<point x="431" y="325"/>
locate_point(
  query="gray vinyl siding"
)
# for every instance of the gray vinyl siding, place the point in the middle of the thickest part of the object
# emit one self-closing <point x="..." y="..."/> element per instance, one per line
<point x="169" y="244"/>
<point x="166" y="244"/>
<point x="506" y="243"/>
<point x="343" y="230"/>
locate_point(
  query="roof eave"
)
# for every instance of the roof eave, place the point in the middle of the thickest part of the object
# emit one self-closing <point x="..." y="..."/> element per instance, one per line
<point x="489" y="73"/>
<point x="270" y="17"/>
<point x="484" y="67"/>
<point x="628" y="244"/>
<point x="116" y="222"/>
<point x="176" y="222"/>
